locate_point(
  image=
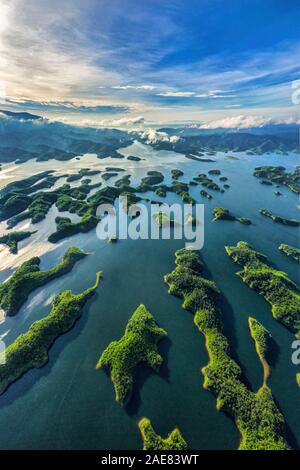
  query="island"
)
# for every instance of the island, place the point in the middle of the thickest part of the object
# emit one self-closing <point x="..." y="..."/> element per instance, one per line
<point x="133" y="158"/>
<point x="152" y="178"/>
<point x="278" y="219"/>
<point x="205" y="194"/>
<point x="279" y="175"/>
<point x="290" y="251"/>
<point x="30" y="350"/>
<point x="176" y="173"/>
<point x="152" y="441"/>
<point x="12" y="239"/>
<point x="138" y="345"/>
<point x="66" y="228"/>
<point x="257" y="416"/>
<point x="28" y="277"/>
<point x="214" y="172"/>
<point x="275" y="286"/>
<point x="261" y="338"/>
<point x="220" y="213"/>
<point x="208" y="183"/>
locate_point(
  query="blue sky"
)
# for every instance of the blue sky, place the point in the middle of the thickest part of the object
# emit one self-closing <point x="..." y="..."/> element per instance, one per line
<point x="158" y="60"/>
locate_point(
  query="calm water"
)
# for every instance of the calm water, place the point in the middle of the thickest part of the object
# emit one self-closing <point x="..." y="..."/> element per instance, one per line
<point x="68" y="404"/>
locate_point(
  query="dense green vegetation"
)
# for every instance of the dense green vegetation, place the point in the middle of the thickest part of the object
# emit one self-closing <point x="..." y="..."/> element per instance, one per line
<point x="152" y="441"/>
<point x="30" y="350"/>
<point x="176" y="173"/>
<point x="27" y="184"/>
<point x="152" y="178"/>
<point x="275" y="286"/>
<point x="28" y="277"/>
<point x="261" y="338"/>
<point x="290" y="251"/>
<point x="279" y="175"/>
<point x="278" y="219"/>
<point x="109" y="174"/>
<point x="208" y="183"/>
<point x="133" y="158"/>
<point x="205" y="194"/>
<point x="11" y="239"/>
<point x="66" y="228"/>
<point x="123" y="182"/>
<point x="214" y="172"/>
<point x="138" y="345"/>
<point x="220" y="213"/>
<point x="256" y="415"/>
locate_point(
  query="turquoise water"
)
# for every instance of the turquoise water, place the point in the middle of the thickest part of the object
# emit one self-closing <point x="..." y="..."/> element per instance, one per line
<point x="69" y="405"/>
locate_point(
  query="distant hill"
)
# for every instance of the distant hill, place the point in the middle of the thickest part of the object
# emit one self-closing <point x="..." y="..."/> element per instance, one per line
<point x="23" y="116"/>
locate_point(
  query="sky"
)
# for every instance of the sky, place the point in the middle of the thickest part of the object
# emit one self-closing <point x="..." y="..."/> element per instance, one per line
<point x="126" y="62"/>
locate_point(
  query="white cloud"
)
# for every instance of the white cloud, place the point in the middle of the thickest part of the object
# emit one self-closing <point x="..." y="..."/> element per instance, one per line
<point x="116" y="123"/>
<point x="152" y="136"/>
<point x="134" y="87"/>
<point x="180" y="94"/>
<point x="245" y="122"/>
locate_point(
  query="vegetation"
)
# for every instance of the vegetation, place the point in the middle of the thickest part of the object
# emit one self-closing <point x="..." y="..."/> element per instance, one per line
<point x="279" y="175"/>
<point x="151" y="440"/>
<point x="290" y="251"/>
<point x="278" y="219"/>
<point x="205" y="194"/>
<point x="30" y="350"/>
<point x="152" y="178"/>
<point x="12" y="239"/>
<point x="28" y="277"/>
<point x="256" y="415"/>
<point x="66" y="228"/>
<point x="220" y="213"/>
<point x="176" y="173"/>
<point x="208" y="183"/>
<point x="133" y="158"/>
<point x="109" y="174"/>
<point x="214" y="172"/>
<point x="275" y="286"/>
<point x="261" y="338"/>
<point x="138" y="345"/>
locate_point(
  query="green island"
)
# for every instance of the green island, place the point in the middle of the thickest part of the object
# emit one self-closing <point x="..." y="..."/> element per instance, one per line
<point x="290" y="251"/>
<point x="28" y="277"/>
<point x="279" y="175"/>
<point x="152" y="178"/>
<point x="208" y="183"/>
<point x="138" y="345"/>
<point x="30" y="350"/>
<point x="214" y="172"/>
<point x="109" y="174"/>
<point x="163" y="220"/>
<point x="257" y="416"/>
<point x="133" y="158"/>
<point x="176" y="173"/>
<point x="220" y="213"/>
<point x="298" y="378"/>
<point x="261" y="338"/>
<point x="12" y="239"/>
<point x="152" y="441"/>
<point x="66" y="228"/>
<point x="205" y="194"/>
<point x="278" y="219"/>
<point x="275" y="286"/>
